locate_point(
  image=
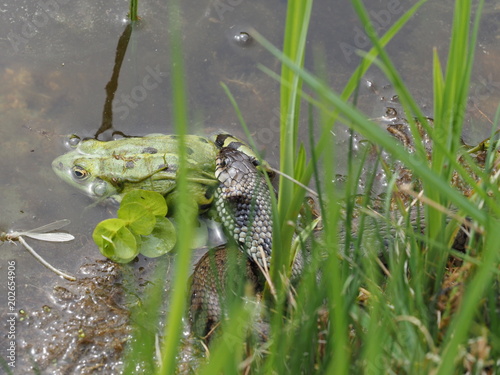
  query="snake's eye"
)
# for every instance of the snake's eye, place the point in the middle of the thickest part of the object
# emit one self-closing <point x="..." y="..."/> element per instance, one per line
<point x="222" y="163"/>
<point x="80" y="173"/>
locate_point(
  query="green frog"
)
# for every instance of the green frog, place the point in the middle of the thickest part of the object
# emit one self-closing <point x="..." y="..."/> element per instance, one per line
<point x="108" y="170"/>
<point x="105" y="170"/>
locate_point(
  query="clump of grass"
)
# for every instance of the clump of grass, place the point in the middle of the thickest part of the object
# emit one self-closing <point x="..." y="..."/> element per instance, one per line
<point x="353" y="312"/>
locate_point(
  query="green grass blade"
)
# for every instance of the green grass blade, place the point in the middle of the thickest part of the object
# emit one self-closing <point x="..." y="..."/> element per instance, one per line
<point x="133" y="10"/>
<point x="373" y="53"/>
<point x="438" y="84"/>
<point x="144" y="315"/>
<point x="184" y="213"/>
<point x="298" y="15"/>
<point x="297" y="23"/>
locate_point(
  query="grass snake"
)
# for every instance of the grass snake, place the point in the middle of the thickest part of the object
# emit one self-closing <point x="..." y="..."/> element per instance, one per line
<point x="243" y="203"/>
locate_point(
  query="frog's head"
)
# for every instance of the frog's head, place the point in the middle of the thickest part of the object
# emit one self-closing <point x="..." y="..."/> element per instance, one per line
<point x="81" y="171"/>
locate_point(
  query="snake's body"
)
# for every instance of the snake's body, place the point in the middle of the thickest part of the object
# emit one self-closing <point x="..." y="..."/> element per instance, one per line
<point x="209" y="285"/>
<point x="243" y="203"/>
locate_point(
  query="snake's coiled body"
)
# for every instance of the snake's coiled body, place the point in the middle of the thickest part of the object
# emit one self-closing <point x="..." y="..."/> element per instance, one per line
<point x="209" y="285"/>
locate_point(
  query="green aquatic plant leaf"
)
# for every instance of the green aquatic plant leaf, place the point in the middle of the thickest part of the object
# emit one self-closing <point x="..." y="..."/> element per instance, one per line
<point x="150" y="200"/>
<point x="115" y="240"/>
<point x="161" y="240"/>
<point x="141" y="227"/>
<point x="139" y="219"/>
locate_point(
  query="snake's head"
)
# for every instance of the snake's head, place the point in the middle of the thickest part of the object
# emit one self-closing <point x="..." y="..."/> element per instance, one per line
<point x="231" y="165"/>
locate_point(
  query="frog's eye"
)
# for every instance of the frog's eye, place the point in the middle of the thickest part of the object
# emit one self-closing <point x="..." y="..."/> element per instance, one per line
<point x="79" y="173"/>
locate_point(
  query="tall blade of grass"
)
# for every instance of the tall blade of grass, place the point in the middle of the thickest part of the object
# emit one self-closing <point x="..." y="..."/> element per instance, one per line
<point x="185" y="214"/>
<point x="289" y="201"/>
<point x="452" y="112"/>
<point x="373" y="53"/>
<point x="297" y="23"/>
<point x="298" y="14"/>
<point x="334" y="280"/>
<point x="145" y="316"/>
<point x="457" y="76"/>
<point x="334" y="277"/>
<point x="449" y="117"/>
<point x="438" y="83"/>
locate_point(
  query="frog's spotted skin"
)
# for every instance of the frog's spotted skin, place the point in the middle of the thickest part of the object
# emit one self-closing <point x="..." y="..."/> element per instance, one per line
<point x="111" y="169"/>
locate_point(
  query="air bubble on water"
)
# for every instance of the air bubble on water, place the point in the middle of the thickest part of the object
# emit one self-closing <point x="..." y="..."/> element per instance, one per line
<point x="242" y="39"/>
<point x="72" y="141"/>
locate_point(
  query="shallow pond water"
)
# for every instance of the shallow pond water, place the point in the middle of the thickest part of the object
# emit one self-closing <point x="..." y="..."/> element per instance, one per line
<point x="57" y="57"/>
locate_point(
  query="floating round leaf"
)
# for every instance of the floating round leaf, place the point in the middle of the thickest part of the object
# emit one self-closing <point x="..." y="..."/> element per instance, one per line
<point x="160" y="241"/>
<point x="152" y="201"/>
<point x="115" y="241"/>
<point x="139" y="219"/>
